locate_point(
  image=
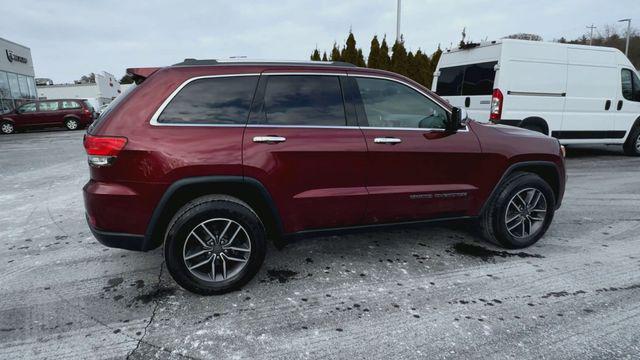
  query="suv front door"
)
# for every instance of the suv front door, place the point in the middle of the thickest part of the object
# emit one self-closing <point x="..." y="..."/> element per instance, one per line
<point x="415" y="170"/>
<point x="299" y="144"/>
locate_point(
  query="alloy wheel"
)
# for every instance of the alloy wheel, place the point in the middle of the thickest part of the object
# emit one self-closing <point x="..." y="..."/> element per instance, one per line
<point x="638" y="144"/>
<point x="7" y="128"/>
<point x="72" y="124"/>
<point x="526" y="213"/>
<point x="217" y="250"/>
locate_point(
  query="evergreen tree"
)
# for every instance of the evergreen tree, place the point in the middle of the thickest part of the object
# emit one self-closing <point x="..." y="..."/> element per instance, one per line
<point x="324" y="56"/>
<point x="412" y="69"/>
<point x="384" y="62"/>
<point x="335" y="53"/>
<point x="373" y="61"/>
<point x="350" y="52"/>
<point x="360" y="62"/>
<point x="422" y="65"/>
<point x="399" y="58"/>
<point x="316" y="55"/>
<point x="435" y="58"/>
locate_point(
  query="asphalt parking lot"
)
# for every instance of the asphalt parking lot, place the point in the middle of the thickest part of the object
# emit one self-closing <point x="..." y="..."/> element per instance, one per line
<point x="431" y="292"/>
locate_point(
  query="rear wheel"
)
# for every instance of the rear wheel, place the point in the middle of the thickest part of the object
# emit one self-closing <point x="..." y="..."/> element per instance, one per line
<point x="215" y="244"/>
<point x="632" y="145"/>
<point x="520" y="212"/>
<point x="71" y="124"/>
<point x="7" y="127"/>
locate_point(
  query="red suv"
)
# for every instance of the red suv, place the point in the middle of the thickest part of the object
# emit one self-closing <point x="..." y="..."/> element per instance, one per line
<point x="70" y="113"/>
<point x="211" y="159"/>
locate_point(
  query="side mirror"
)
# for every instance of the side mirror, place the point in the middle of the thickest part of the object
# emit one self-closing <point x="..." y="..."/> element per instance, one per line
<point x="457" y="119"/>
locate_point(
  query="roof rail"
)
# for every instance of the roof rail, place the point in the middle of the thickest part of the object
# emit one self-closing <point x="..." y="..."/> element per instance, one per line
<point x="209" y="62"/>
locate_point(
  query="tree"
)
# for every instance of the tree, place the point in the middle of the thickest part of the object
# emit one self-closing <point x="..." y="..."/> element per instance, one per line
<point x="350" y="52"/>
<point x="525" y="36"/>
<point x="335" y="53"/>
<point x="316" y="55"/>
<point x="126" y="79"/>
<point x="360" y="61"/>
<point x="399" y="58"/>
<point x="373" y="61"/>
<point x="87" y="79"/>
<point x="423" y="72"/>
<point x="384" y="61"/>
<point x="324" y="56"/>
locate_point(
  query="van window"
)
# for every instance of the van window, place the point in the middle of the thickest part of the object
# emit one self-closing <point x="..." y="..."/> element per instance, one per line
<point x="220" y="100"/>
<point x="27" y="108"/>
<point x="391" y="104"/>
<point x="467" y="80"/>
<point x="69" y="104"/>
<point x="304" y="100"/>
<point x="49" y="105"/>
<point x="630" y="85"/>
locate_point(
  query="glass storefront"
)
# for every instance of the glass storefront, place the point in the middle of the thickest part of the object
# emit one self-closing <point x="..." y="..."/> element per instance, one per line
<point x="15" y="90"/>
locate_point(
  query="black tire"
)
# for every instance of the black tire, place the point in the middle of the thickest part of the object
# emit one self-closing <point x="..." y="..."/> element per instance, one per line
<point x="7" y="127"/>
<point x="72" y="124"/>
<point x="632" y="145"/>
<point x="493" y="221"/>
<point x="201" y="210"/>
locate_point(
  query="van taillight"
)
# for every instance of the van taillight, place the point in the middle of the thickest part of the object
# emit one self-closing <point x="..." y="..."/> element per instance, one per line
<point x="496" y="105"/>
<point x="103" y="150"/>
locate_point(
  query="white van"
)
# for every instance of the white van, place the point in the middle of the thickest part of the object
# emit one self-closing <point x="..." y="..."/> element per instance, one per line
<point x="576" y="93"/>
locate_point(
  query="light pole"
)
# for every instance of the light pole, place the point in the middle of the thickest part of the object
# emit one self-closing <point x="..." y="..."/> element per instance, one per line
<point x="626" y="49"/>
<point x="398" y="35"/>
<point x="591" y="36"/>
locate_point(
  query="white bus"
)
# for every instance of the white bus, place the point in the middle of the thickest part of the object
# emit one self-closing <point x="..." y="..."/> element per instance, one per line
<point x="576" y="93"/>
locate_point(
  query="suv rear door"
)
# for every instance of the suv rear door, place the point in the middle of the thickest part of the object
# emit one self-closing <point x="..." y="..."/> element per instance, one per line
<point x="415" y="170"/>
<point x="302" y="143"/>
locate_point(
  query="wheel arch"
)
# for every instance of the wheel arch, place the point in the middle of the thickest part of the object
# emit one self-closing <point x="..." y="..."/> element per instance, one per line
<point x="536" y="121"/>
<point x="246" y="189"/>
<point x="635" y="124"/>
<point x="71" y="116"/>
<point x="547" y="170"/>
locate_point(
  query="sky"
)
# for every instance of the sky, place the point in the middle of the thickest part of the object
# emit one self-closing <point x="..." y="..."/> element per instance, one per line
<point x="71" y="38"/>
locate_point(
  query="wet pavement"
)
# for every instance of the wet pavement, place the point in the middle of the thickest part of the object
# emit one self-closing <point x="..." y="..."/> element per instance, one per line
<point x="433" y="291"/>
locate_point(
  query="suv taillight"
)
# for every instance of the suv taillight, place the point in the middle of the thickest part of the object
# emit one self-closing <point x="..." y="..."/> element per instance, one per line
<point x="496" y="105"/>
<point x="103" y="150"/>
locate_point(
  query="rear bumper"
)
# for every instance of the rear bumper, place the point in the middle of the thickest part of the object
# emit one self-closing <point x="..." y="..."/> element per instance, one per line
<point x="117" y="240"/>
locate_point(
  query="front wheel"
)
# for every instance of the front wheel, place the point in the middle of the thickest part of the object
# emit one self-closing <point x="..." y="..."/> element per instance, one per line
<point x="520" y="212"/>
<point x="7" y="128"/>
<point x="632" y="145"/>
<point x="71" y="124"/>
<point x="215" y="244"/>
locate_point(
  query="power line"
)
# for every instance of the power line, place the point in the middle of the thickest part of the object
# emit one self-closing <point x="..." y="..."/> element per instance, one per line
<point x="591" y="36"/>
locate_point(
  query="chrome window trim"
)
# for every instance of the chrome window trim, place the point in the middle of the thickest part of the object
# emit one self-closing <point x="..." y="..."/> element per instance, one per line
<point x="156" y="115"/>
<point x="154" y="118"/>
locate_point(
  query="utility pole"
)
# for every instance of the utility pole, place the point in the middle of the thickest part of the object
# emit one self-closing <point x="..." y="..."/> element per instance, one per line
<point x="591" y="36"/>
<point x="398" y="34"/>
<point x="626" y="49"/>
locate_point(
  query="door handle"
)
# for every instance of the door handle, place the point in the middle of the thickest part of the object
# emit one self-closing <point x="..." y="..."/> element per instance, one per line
<point x="271" y="139"/>
<point x="387" y="140"/>
<point x="467" y="101"/>
<point x="607" y="105"/>
<point x="619" y="105"/>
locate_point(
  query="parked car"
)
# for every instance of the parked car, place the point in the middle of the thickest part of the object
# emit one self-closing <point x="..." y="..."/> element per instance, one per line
<point x="211" y="159"/>
<point x="70" y="113"/>
<point x="578" y="94"/>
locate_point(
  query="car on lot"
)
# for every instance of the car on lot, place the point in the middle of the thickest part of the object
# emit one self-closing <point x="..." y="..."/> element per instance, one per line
<point x="576" y="93"/>
<point x="73" y="114"/>
<point x="211" y="159"/>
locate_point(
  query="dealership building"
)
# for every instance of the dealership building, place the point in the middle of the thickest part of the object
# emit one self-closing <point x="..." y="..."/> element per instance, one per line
<point x="17" y="83"/>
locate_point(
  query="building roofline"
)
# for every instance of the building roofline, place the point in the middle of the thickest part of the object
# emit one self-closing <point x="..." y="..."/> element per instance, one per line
<point x="15" y="43"/>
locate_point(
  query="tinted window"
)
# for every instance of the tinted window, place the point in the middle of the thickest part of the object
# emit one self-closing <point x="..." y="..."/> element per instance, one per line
<point x="224" y="100"/>
<point x="69" y="104"/>
<point x="27" y="108"/>
<point x="391" y="104"/>
<point x="304" y="100"/>
<point x="467" y="80"/>
<point x="49" y="105"/>
<point x="478" y="79"/>
<point x="630" y="85"/>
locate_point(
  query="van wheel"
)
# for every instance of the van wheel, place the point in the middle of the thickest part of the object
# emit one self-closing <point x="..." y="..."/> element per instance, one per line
<point x="215" y="244"/>
<point x="7" y="128"/>
<point x="71" y="124"/>
<point x="632" y="145"/>
<point x="520" y="212"/>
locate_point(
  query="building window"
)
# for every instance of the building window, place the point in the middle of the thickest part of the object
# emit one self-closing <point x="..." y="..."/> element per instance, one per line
<point x="13" y="85"/>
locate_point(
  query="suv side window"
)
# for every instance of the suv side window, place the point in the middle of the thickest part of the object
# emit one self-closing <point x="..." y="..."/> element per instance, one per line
<point x="219" y="100"/>
<point x="391" y="104"/>
<point x="27" y="108"/>
<point x="49" y="105"/>
<point x="68" y="104"/>
<point x="314" y="100"/>
<point x="630" y="85"/>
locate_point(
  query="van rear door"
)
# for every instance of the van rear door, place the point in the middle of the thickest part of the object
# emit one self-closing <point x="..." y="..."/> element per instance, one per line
<point x="469" y="87"/>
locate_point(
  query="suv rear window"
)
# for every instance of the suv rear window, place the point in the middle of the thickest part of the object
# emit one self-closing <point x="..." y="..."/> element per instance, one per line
<point x="220" y="100"/>
<point x="314" y="100"/>
<point x="467" y="80"/>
